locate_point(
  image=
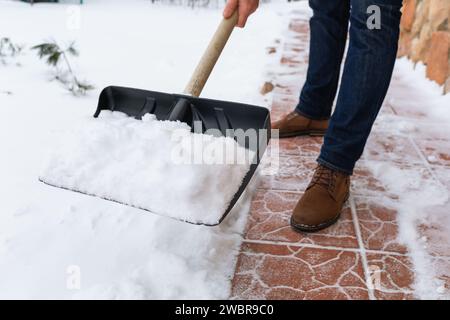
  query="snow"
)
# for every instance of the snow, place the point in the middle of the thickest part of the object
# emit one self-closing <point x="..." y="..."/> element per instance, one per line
<point x="432" y="159"/>
<point x="51" y="240"/>
<point x="427" y="91"/>
<point x="441" y="290"/>
<point x="159" y="166"/>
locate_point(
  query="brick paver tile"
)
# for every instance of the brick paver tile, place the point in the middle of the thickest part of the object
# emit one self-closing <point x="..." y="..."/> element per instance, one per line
<point x="443" y="175"/>
<point x="391" y="275"/>
<point x="442" y="267"/>
<point x="386" y="109"/>
<point x="286" y="89"/>
<point x="399" y="98"/>
<point x="270" y="215"/>
<point x="434" y="232"/>
<point x="364" y="182"/>
<point x="294" y="173"/>
<point x="300" y="26"/>
<point x="378" y="224"/>
<point x="267" y="271"/>
<point x="437" y="152"/>
<point x="301" y="146"/>
<point x="392" y="148"/>
<point x="282" y="105"/>
<point x="409" y="113"/>
<point x="291" y="60"/>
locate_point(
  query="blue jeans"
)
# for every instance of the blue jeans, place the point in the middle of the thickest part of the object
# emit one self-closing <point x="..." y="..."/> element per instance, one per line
<point x="366" y="76"/>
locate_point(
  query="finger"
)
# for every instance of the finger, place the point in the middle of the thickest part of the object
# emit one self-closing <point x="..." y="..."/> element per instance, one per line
<point x="244" y="12"/>
<point x="255" y="7"/>
<point x="230" y="8"/>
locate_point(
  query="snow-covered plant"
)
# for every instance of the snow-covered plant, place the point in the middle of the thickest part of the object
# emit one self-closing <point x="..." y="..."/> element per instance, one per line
<point x="8" y="50"/>
<point x="58" y="58"/>
<point x="192" y="3"/>
<point x="198" y="3"/>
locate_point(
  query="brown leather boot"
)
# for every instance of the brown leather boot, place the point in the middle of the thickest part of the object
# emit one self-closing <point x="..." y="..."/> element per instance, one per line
<point x="321" y="204"/>
<point x="294" y="124"/>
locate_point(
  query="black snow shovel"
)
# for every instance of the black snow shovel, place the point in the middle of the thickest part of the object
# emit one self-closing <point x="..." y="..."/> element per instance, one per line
<point x="222" y="116"/>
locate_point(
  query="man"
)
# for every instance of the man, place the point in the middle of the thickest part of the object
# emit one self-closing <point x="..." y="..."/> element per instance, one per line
<point x="366" y="76"/>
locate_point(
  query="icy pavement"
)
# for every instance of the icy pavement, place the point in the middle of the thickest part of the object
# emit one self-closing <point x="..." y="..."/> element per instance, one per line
<point x="393" y="239"/>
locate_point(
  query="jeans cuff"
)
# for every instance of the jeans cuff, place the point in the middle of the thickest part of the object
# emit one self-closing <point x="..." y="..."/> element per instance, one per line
<point x="334" y="167"/>
<point x="300" y="109"/>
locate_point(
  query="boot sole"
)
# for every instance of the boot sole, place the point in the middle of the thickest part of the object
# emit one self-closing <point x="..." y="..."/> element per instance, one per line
<point x="315" y="228"/>
<point x="312" y="229"/>
<point x="311" y="133"/>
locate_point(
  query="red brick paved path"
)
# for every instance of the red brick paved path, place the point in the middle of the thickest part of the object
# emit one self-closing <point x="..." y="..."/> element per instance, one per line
<point x="277" y="263"/>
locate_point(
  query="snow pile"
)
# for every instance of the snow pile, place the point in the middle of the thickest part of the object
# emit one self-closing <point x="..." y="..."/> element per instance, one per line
<point x="159" y="166"/>
<point x="428" y="94"/>
<point x="77" y="247"/>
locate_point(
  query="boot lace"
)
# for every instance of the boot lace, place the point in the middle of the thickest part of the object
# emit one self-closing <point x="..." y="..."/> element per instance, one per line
<point x="325" y="177"/>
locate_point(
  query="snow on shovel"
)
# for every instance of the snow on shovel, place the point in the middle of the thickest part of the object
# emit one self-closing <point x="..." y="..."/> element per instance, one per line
<point x="179" y="156"/>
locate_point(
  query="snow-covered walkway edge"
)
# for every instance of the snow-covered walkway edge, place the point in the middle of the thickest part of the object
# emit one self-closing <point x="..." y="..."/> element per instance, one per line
<point x="417" y="191"/>
<point x="58" y="244"/>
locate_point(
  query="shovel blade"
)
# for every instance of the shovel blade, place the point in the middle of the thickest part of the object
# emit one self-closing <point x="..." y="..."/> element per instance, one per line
<point x="213" y="114"/>
<point x="220" y="117"/>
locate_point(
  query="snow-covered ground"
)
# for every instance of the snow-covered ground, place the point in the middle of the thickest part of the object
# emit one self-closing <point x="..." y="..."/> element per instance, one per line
<point x="58" y="244"/>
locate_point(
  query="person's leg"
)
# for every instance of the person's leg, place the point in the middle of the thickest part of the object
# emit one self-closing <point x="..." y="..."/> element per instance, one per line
<point x="365" y="80"/>
<point x="329" y="28"/>
<point x="367" y="74"/>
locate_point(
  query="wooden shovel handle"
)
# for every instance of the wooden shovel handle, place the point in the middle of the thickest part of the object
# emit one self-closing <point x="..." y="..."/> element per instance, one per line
<point x="210" y="56"/>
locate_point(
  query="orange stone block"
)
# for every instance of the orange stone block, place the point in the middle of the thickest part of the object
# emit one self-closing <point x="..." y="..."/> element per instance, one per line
<point x="404" y="47"/>
<point x="409" y="10"/>
<point x="437" y="59"/>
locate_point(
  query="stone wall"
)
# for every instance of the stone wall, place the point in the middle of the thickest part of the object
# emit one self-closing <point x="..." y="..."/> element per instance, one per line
<point x="425" y="37"/>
